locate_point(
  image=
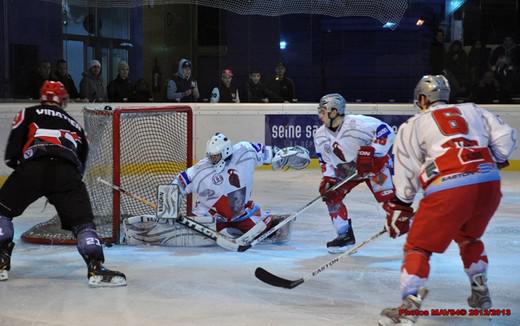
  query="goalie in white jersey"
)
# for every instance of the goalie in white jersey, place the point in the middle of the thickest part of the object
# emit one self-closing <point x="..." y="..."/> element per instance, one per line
<point x="452" y="152"/>
<point x="344" y="144"/>
<point x="223" y="182"/>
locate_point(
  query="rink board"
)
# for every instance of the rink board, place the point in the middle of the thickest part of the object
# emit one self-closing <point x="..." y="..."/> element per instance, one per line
<point x="248" y="121"/>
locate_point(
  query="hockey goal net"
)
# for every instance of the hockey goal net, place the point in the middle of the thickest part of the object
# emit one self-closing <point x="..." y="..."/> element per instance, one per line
<point x="136" y="149"/>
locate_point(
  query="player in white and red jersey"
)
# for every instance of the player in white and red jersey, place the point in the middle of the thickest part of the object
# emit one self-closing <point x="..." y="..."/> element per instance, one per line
<point x="344" y="144"/>
<point x="451" y="152"/>
<point x="223" y="182"/>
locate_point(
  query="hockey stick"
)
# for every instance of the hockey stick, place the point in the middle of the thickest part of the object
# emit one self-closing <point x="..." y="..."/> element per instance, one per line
<point x="187" y="222"/>
<point x="274" y="280"/>
<point x="278" y="226"/>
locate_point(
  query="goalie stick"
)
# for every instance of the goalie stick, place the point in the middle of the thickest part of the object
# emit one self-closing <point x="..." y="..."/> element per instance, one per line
<point x="274" y="280"/>
<point x="187" y="222"/>
<point x="278" y="226"/>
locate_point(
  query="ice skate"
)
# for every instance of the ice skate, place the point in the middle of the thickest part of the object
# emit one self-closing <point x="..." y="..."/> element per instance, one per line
<point x="5" y="260"/>
<point x="99" y="276"/>
<point x="480" y="297"/>
<point x="404" y="314"/>
<point x="342" y="242"/>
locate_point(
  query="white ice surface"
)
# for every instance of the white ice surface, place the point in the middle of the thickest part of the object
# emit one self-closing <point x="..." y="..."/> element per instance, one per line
<point x="209" y="286"/>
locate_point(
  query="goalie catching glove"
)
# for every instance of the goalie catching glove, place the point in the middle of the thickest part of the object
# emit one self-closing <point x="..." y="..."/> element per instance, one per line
<point x="398" y="215"/>
<point x="296" y="157"/>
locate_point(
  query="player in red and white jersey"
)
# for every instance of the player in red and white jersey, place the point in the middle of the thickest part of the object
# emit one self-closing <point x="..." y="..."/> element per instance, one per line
<point x="345" y="143"/>
<point x="452" y="153"/>
<point x="223" y="182"/>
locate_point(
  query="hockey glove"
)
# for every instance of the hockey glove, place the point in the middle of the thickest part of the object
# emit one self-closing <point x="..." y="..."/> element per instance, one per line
<point x="398" y="215"/>
<point x="365" y="160"/>
<point x="296" y="157"/>
<point x="329" y="195"/>
<point x="502" y="165"/>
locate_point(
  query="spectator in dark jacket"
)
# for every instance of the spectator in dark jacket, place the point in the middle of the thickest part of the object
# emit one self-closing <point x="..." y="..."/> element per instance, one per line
<point x="281" y="86"/>
<point x="61" y="74"/>
<point x="142" y="91"/>
<point x="437" y="54"/>
<point x="254" y="91"/>
<point x="457" y="68"/>
<point x="92" y="86"/>
<point x="121" y="89"/>
<point x="42" y="73"/>
<point x="225" y="92"/>
<point x="488" y="90"/>
<point x="182" y="88"/>
<point x="478" y="62"/>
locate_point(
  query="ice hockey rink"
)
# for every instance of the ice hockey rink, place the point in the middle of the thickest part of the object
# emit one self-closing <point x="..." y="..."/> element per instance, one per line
<point x="210" y="286"/>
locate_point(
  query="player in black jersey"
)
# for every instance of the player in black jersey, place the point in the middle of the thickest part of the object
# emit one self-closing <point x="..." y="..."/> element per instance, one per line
<point x="48" y="150"/>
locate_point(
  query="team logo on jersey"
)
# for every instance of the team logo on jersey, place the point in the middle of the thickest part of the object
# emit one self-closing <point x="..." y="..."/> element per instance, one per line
<point x="217" y="179"/>
<point x="20" y="116"/>
<point x="28" y="153"/>
<point x="382" y="132"/>
<point x="234" y="179"/>
<point x="327" y="149"/>
<point x="338" y="152"/>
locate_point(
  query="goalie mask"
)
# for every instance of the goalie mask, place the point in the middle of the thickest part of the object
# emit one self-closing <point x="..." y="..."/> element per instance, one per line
<point x="218" y="149"/>
<point x="331" y="102"/>
<point x="435" y="88"/>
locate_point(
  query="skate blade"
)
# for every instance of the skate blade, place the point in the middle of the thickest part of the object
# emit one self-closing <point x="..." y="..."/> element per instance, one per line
<point x="3" y="275"/>
<point x="386" y="321"/>
<point x="97" y="281"/>
<point x="339" y="250"/>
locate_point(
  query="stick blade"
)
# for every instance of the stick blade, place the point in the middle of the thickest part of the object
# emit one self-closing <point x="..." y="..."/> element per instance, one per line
<point x="271" y="279"/>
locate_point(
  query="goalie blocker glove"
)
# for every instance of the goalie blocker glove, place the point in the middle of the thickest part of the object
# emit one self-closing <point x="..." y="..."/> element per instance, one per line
<point x="296" y="157"/>
<point x="398" y="215"/>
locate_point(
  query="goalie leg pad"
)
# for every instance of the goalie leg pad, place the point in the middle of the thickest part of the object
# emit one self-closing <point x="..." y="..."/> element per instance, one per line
<point x="150" y="230"/>
<point x="283" y="235"/>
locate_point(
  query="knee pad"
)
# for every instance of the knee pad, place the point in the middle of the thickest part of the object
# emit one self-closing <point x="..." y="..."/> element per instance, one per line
<point x="88" y="243"/>
<point x="6" y="230"/>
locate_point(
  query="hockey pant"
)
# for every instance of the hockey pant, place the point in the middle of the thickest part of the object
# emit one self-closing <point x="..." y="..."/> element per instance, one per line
<point x="253" y="214"/>
<point x="54" y="178"/>
<point x="460" y="214"/>
<point x="380" y="185"/>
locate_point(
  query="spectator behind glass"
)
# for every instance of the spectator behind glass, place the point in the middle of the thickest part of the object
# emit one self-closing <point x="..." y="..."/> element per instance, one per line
<point x="437" y="53"/>
<point x="505" y="61"/>
<point x="225" y="92"/>
<point x="478" y="62"/>
<point x="281" y="86"/>
<point x="457" y="69"/>
<point x="254" y="91"/>
<point x="182" y="88"/>
<point x="61" y="74"/>
<point x="142" y="91"/>
<point x="42" y="73"/>
<point x="91" y="86"/>
<point x="488" y="90"/>
<point x="121" y="89"/>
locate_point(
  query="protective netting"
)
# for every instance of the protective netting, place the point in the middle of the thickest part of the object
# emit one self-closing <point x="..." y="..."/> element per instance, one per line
<point x="382" y="10"/>
<point x="137" y="149"/>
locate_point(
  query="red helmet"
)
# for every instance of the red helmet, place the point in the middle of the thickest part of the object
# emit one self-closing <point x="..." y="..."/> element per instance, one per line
<point x="54" y="91"/>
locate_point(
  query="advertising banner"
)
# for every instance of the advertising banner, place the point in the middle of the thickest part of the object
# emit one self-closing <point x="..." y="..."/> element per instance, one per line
<point x="298" y="129"/>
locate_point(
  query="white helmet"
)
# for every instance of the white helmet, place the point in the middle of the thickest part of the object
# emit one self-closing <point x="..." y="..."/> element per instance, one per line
<point x="333" y="101"/>
<point x="435" y="88"/>
<point x="219" y="144"/>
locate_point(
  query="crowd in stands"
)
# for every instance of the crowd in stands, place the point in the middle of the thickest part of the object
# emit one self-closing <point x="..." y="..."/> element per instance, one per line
<point x="180" y="87"/>
<point x="482" y="74"/>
